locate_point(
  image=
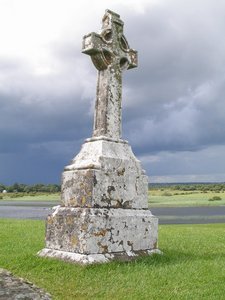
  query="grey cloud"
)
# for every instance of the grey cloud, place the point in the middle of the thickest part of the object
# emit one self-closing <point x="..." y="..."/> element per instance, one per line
<point x="181" y="53"/>
<point x="43" y="118"/>
<point x="206" y="162"/>
<point x="173" y="102"/>
<point x="40" y="108"/>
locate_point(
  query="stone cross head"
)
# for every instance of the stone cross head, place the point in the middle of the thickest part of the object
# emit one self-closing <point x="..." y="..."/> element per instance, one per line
<point x="111" y="54"/>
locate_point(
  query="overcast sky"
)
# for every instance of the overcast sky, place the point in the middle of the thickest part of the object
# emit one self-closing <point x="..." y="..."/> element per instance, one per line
<point x="173" y="103"/>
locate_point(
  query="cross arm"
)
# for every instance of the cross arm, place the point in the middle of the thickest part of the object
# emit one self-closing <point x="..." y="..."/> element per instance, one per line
<point x="94" y="46"/>
<point x="133" y="59"/>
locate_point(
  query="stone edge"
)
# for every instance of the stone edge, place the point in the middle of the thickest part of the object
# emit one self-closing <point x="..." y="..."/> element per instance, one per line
<point x="86" y="259"/>
<point x="23" y="288"/>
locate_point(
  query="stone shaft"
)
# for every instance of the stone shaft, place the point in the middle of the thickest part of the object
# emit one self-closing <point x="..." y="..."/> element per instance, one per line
<point x="107" y="119"/>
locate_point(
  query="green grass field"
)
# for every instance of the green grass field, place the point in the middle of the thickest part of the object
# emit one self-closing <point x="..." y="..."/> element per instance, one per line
<point x="181" y="198"/>
<point x="157" y="198"/>
<point x="192" y="267"/>
<point x="30" y="197"/>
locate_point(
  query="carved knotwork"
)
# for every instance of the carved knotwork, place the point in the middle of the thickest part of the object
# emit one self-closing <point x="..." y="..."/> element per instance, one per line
<point x="110" y="46"/>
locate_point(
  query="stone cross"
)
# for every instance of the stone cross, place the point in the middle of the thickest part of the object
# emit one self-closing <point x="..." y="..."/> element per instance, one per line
<point x="104" y="195"/>
<point x="111" y="54"/>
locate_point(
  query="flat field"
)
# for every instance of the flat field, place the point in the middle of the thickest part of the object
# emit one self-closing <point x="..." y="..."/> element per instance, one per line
<point x="30" y="197"/>
<point x="203" y="195"/>
<point x="192" y="267"/>
<point x="168" y="197"/>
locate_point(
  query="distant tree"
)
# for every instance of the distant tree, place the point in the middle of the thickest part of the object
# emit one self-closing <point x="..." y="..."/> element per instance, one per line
<point x="2" y="187"/>
<point x="24" y="188"/>
<point x="215" y="198"/>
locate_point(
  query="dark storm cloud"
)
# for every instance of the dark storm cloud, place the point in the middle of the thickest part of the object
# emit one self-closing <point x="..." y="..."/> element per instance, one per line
<point x="185" y="166"/>
<point x="43" y="119"/>
<point x="46" y="108"/>
<point x="179" y="86"/>
<point x="173" y="103"/>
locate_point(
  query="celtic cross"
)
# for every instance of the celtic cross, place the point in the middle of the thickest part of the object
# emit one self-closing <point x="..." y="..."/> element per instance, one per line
<point x="111" y="54"/>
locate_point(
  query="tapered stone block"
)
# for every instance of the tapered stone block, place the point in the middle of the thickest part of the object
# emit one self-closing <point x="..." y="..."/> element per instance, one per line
<point x="105" y="174"/>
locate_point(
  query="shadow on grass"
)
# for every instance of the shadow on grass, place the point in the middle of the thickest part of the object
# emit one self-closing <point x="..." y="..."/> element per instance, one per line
<point x="168" y="257"/>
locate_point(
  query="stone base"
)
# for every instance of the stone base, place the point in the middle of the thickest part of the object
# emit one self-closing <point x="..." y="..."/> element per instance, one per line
<point x="87" y="259"/>
<point x="89" y="235"/>
<point x="105" y="174"/>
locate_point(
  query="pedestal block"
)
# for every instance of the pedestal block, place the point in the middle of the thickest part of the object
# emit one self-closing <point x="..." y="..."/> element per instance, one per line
<point x="89" y="235"/>
<point x="105" y="174"/>
<point x="104" y="213"/>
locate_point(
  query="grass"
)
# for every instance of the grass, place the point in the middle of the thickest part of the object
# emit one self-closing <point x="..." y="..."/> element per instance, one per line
<point x="30" y="197"/>
<point x="157" y="198"/>
<point x="192" y="267"/>
<point x="168" y="198"/>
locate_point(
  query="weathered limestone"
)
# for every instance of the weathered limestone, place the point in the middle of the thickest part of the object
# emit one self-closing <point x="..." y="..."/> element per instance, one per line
<point x="14" y="288"/>
<point x="100" y="230"/>
<point x="110" y="54"/>
<point x="105" y="174"/>
<point x="104" y="203"/>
